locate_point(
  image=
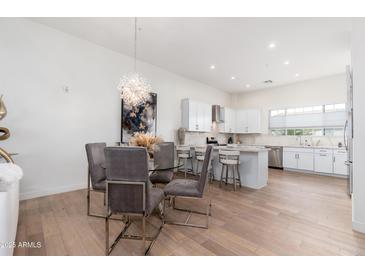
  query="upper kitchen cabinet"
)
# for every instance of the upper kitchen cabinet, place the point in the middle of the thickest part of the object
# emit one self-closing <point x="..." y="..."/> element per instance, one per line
<point x="241" y="121"/>
<point x="248" y="121"/>
<point x="196" y="116"/>
<point x="229" y="125"/>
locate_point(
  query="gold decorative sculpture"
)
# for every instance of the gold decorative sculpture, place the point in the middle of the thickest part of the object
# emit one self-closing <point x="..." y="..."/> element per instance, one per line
<point x="3" y="110"/>
<point x="4" y="131"/>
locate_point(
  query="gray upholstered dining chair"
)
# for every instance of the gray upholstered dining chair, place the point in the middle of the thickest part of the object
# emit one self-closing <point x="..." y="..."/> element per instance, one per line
<point x="96" y="172"/>
<point x="129" y="192"/>
<point x="164" y="157"/>
<point x="192" y="189"/>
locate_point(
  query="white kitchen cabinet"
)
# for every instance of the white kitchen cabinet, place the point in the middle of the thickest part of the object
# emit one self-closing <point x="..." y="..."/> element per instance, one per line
<point x="242" y="120"/>
<point x="253" y="120"/>
<point x="339" y="159"/>
<point x="196" y="116"/>
<point x="207" y="117"/>
<point x="290" y="159"/>
<point x="298" y="158"/>
<point x="318" y="160"/>
<point x="323" y="160"/>
<point x="305" y="160"/>
<point x="229" y="120"/>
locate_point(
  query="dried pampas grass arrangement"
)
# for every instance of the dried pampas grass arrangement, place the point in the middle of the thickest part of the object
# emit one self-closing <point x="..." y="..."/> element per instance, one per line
<point x="145" y="140"/>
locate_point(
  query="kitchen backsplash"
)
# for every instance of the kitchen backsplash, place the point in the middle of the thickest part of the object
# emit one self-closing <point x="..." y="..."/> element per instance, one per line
<point x="199" y="138"/>
<point x="287" y="140"/>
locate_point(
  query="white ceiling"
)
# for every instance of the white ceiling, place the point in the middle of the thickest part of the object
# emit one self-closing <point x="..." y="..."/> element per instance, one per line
<point x="238" y="47"/>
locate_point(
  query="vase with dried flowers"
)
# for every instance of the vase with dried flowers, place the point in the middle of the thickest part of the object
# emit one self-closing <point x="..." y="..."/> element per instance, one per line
<point x="146" y="140"/>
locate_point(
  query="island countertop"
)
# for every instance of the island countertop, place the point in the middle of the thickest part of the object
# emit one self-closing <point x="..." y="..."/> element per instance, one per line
<point x="241" y="148"/>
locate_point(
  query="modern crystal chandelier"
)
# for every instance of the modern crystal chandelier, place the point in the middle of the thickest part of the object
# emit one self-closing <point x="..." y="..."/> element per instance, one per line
<point x="133" y="88"/>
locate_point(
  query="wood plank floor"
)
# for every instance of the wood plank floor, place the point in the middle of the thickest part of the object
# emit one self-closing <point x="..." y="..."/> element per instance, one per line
<point x="296" y="214"/>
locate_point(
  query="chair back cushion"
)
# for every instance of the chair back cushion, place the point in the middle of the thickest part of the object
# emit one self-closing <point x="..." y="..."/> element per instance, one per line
<point x="164" y="155"/>
<point x="128" y="187"/>
<point x="96" y="160"/>
<point x="126" y="164"/>
<point x="205" y="169"/>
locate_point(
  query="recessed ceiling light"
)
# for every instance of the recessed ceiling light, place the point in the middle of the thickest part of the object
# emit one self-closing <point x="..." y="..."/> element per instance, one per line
<point x="271" y="46"/>
<point x="232" y="78"/>
<point x="248" y="85"/>
<point x="297" y="75"/>
<point x="212" y="67"/>
<point x="286" y="62"/>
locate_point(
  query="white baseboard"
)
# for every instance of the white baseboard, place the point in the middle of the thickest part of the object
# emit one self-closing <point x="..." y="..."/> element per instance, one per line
<point x="50" y="191"/>
<point x="358" y="226"/>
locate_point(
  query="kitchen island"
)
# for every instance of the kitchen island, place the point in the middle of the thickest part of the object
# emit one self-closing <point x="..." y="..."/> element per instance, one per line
<point x="253" y="165"/>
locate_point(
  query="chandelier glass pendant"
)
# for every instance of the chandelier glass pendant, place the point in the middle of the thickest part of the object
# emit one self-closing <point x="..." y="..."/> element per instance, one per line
<point x="133" y="88"/>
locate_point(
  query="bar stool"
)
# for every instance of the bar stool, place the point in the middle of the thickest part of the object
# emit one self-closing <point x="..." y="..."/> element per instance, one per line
<point x="184" y="154"/>
<point x="199" y="157"/>
<point x="230" y="159"/>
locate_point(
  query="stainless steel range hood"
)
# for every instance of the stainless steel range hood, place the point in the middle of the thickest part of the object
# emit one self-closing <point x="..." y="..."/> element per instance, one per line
<point x="217" y="114"/>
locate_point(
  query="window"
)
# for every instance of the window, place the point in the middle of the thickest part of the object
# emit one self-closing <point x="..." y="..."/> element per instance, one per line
<point x="290" y="132"/>
<point x="279" y="112"/>
<point x="315" y="109"/>
<point x="298" y="131"/>
<point x="319" y="120"/>
<point x="307" y="131"/>
<point x="333" y="132"/>
<point x="278" y="132"/>
<point x="315" y="132"/>
<point x="334" y="107"/>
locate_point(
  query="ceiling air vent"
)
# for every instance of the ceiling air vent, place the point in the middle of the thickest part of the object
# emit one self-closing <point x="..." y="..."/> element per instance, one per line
<point x="268" y="82"/>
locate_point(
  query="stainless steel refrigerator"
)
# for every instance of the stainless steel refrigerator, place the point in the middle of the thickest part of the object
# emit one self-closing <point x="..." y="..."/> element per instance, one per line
<point x="349" y="130"/>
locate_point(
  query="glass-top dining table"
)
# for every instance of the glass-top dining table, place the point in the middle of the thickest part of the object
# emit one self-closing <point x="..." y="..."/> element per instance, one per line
<point x="152" y="167"/>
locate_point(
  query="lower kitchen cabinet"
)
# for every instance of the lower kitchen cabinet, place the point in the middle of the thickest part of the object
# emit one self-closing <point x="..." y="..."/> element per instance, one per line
<point x="298" y="158"/>
<point x="339" y="159"/>
<point x="305" y="160"/>
<point x="323" y="162"/>
<point x="290" y="159"/>
<point x="318" y="160"/>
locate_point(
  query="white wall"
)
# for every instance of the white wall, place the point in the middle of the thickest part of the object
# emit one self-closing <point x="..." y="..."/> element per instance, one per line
<point x="49" y="128"/>
<point x="358" y="66"/>
<point x="327" y="90"/>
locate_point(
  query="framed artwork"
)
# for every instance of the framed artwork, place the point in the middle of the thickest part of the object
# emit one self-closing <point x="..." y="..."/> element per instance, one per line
<point x="141" y="118"/>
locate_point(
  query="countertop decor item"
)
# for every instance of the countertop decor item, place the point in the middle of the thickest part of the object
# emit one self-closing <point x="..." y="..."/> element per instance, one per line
<point x="181" y="135"/>
<point x="134" y="89"/>
<point x="146" y="140"/>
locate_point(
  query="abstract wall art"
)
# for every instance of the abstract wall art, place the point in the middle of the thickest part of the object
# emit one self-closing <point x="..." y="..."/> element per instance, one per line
<point x="139" y="119"/>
